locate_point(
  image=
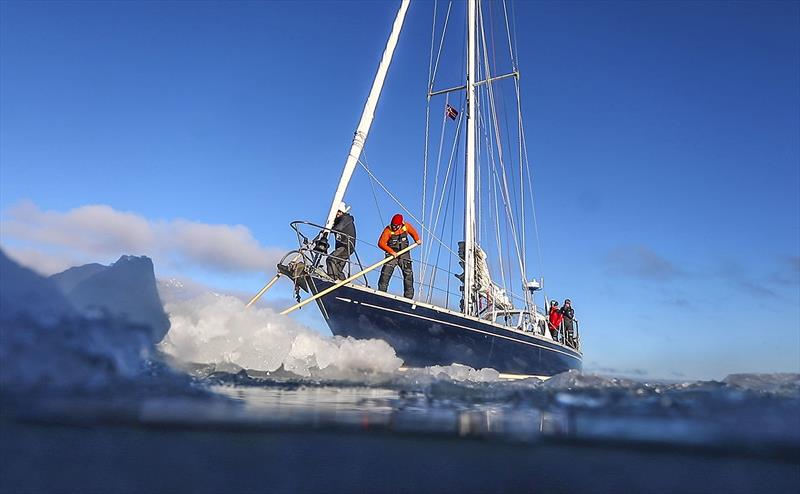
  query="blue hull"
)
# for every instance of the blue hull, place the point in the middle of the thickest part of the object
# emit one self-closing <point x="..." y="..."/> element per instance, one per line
<point x="423" y="335"/>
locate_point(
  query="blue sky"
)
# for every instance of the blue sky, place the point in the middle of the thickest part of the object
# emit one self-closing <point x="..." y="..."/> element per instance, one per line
<point x="665" y="138"/>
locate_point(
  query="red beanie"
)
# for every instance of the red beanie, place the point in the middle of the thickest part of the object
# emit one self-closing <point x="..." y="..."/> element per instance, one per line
<point x="397" y="219"/>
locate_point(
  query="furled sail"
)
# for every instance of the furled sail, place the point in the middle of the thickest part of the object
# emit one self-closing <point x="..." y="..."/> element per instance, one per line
<point x="494" y="294"/>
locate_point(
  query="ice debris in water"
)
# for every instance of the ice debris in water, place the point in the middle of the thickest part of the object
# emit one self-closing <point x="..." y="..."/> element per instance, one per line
<point x="47" y="345"/>
<point x="575" y="379"/>
<point x="459" y="372"/>
<point x="215" y="329"/>
<point x="779" y="383"/>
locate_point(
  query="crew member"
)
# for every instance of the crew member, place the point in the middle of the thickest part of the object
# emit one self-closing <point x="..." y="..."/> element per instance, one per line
<point x="394" y="239"/>
<point x="344" y="230"/>
<point x="554" y="319"/>
<point x="568" y="314"/>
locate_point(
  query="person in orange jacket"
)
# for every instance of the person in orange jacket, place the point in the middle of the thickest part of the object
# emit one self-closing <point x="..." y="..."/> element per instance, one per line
<point x="555" y="317"/>
<point x="394" y="239"/>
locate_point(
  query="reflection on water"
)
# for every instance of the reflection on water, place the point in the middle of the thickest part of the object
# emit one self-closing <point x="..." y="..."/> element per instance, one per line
<point x="389" y="410"/>
<point x="382" y="409"/>
<point x="585" y="408"/>
<point x="749" y="414"/>
<point x="232" y="432"/>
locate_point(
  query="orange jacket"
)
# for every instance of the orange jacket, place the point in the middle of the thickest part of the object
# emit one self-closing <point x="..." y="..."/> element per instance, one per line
<point x="383" y="242"/>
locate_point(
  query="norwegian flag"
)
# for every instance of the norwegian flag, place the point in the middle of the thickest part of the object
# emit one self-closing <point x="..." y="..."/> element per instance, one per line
<point x="451" y="112"/>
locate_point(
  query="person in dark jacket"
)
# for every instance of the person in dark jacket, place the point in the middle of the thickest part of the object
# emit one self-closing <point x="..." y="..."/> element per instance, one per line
<point x="394" y="238"/>
<point x="344" y="230"/>
<point x="568" y="322"/>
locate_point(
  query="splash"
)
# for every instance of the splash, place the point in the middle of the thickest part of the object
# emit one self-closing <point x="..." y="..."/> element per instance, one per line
<point x="217" y="329"/>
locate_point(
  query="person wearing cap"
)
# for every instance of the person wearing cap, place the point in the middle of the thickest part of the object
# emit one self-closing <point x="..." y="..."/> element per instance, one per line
<point x="554" y="319"/>
<point x="344" y="230"/>
<point x="568" y="314"/>
<point x="394" y="239"/>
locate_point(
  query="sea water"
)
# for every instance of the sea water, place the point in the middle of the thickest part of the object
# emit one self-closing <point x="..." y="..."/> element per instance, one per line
<point x="248" y="401"/>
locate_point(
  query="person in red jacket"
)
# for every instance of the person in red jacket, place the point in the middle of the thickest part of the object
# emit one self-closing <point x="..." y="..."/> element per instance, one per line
<point x="555" y="317"/>
<point x="394" y="239"/>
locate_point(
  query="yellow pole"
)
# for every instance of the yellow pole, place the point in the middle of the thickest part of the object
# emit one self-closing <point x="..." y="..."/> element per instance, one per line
<point x="263" y="290"/>
<point x="348" y="280"/>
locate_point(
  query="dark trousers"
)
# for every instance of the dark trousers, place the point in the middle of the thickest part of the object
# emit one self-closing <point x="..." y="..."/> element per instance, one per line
<point x="336" y="261"/>
<point x="408" y="276"/>
<point x="569" y="331"/>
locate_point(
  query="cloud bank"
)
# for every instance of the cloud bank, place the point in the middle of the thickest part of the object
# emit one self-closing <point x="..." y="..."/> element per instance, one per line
<point x="50" y="241"/>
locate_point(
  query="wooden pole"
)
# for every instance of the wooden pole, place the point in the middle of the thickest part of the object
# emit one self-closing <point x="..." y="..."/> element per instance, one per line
<point x="348" y="280"/>
<point x="263" y="290"/>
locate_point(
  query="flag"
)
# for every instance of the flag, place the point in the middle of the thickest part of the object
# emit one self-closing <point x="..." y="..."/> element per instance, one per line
<point x="451" y="112"/>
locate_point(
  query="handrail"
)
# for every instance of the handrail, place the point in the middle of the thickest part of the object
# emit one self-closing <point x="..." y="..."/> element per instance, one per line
<point x="307" y="241"/>
<point x="348" y="280"/>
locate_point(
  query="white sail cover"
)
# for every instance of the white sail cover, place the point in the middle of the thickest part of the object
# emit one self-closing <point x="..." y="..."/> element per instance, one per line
<point x="491" y="291"/>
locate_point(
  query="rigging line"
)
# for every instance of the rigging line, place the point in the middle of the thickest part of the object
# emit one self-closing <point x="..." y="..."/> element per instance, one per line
<point x="450" y="258"/>
<point x="528" y="296"/>
<point x="446" y="177"/>
<point x="428" y="114"/>
<point x="530" y="187"/>
<point x="426" y="250"/>
<point x="375" y="196"/>
<point x="518" y="208"/>
<point x="514" y="30"/>
<point x="518" y="196"/>
<point x="425" y="159"/>
<point x="431" y="79"/>
<point x="433" y="38"/>
<point x="520" y="138"/>
<point x="493" y="194"/>
<point x="435" y="265"/>
<point x="432" y="267"/>
<point x="491" y="33"/>
<point x="501" y="95"/>
<point x="508" y="36"/>
<point x="478" y="180"/>
<point x="507" y="195"/>
<point x="441" y="44"/>
<point x="497" y="236"/>
<point x="492" y="97"/>
<point x="395" y="199"/>
<point x="508" y="254"/>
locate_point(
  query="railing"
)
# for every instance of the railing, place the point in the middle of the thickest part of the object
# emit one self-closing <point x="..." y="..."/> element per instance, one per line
<point x="569" y="338"/>
<point x="315" y="256"/>
<point x="314" y="250"/>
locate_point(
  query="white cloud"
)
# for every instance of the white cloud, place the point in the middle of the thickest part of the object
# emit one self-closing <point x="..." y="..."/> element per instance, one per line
<point x="50" y="241"/>
<point x="226" y="247"/>
<point x="93" y="229"/>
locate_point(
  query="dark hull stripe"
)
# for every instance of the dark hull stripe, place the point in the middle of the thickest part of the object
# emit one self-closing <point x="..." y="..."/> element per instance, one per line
<point x="424" y="335"/>
<point x="470" y="329"/>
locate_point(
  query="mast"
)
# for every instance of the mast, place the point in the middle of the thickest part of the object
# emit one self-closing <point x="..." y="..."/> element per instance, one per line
<point x="368" y="114"/>
<point x="469" y="181"/>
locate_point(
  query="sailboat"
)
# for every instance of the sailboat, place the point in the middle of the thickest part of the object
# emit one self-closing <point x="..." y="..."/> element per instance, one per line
<point x="485" y="323"/>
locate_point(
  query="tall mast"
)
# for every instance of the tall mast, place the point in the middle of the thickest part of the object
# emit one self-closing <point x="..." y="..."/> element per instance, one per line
<point x="368" y="114"/>
<point x="469" y="182"/>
